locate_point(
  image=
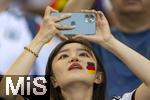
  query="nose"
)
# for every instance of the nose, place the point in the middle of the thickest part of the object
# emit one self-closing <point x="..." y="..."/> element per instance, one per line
<point x="74" y="59"/>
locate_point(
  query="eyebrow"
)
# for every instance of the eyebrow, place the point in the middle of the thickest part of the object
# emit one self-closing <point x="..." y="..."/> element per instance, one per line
<point x="79" y="49"/>
<point x="86" y="51"/>
<point x="65" y="50"/>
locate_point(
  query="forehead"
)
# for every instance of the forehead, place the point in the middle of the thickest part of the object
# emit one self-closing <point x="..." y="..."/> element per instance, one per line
<point x="73" y="46"/>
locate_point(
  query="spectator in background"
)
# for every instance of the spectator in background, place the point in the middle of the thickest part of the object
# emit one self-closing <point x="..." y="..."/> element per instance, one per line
<point x="14" y="35"/>
<point x="105" y="7"/>
<point x="31" y="12"/>
<point x="23" y="25"/>
<point x="20" y="31"/>
<point x="132" y="28"/>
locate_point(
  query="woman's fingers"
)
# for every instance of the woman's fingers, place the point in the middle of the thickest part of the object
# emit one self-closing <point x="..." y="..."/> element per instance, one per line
<point x="89" y="11"/>
<point x="48" y="11"/>
<point x="85" y="37"/>
<point x="52" y="10"/>
<point x="61" y="17"/>
<point x="64" y="27"/>
<point x="61" y="35"/>
<point x="101" y="15"/>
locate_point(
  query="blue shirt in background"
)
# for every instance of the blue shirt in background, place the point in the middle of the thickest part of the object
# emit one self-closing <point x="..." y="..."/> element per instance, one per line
<point x="119" y="78"/>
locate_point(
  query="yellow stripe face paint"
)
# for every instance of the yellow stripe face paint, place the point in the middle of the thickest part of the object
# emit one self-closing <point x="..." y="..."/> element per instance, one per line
<point x="90" y="68"/>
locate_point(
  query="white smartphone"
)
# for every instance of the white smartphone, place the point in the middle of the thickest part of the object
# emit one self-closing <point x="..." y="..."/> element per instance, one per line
<point x="85" y="23"/>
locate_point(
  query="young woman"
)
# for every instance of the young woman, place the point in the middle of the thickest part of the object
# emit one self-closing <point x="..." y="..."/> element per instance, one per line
<point x="76" y="73"/>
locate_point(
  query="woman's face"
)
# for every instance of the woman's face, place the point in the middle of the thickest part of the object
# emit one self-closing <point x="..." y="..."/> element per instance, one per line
<point x="74" y="63"/>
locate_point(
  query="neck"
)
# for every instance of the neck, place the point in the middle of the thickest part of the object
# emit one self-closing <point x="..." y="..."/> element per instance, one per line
<point x="132" y="22"/>
<point x="77" y="91"/>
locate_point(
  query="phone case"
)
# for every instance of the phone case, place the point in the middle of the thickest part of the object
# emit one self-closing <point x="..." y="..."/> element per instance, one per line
<point x="84" y="23"/>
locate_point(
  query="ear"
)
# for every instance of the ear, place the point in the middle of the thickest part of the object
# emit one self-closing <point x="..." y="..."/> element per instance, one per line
<point x="98" y="78"/>
<point x="54" y="82"/>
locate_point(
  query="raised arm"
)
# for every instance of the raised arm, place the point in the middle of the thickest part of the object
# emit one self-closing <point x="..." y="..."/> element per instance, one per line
<point x="135" y="62"/>
<point x="48" y="29"/>
<point x="77" y="5"/>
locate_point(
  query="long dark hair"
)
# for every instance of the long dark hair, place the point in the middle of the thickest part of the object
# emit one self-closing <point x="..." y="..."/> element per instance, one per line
<point x="98" y="90"/>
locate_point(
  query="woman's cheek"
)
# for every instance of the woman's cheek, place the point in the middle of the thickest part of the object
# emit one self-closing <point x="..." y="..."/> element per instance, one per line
<point x="90" y="67"/>
<point x="58" y="69"/>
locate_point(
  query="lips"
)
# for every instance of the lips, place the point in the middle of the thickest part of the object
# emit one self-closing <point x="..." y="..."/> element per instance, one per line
<point x="75" y="66"/>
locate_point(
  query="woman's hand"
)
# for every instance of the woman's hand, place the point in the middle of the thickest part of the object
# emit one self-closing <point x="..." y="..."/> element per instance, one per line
<point x="103" y="34"/>
<point x="50" y="27"/>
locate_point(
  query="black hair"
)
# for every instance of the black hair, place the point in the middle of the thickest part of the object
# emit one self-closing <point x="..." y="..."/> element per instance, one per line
<point x="98" y="90"/>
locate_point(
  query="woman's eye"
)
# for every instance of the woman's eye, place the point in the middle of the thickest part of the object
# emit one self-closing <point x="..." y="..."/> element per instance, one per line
<point x="63" y="56"/>
<point x="83" y="55"/>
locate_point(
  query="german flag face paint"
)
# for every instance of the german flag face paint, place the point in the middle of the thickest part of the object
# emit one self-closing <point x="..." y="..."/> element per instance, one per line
<point x="90" y="68"/>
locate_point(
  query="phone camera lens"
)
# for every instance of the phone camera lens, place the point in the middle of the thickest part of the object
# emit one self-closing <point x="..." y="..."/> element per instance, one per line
<point x="89" y="18"/>
<point x="73" y="23"/>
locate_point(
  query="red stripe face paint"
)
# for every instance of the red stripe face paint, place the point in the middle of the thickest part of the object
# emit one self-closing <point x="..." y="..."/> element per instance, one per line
<point x="90" y="67"/>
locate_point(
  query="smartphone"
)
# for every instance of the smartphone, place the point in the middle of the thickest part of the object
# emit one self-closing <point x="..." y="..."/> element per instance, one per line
<point x="85" y="23"/>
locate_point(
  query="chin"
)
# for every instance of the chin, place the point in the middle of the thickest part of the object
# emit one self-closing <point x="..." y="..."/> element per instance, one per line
<point x="77" y="82"/>
<point x="78" y="79"/>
